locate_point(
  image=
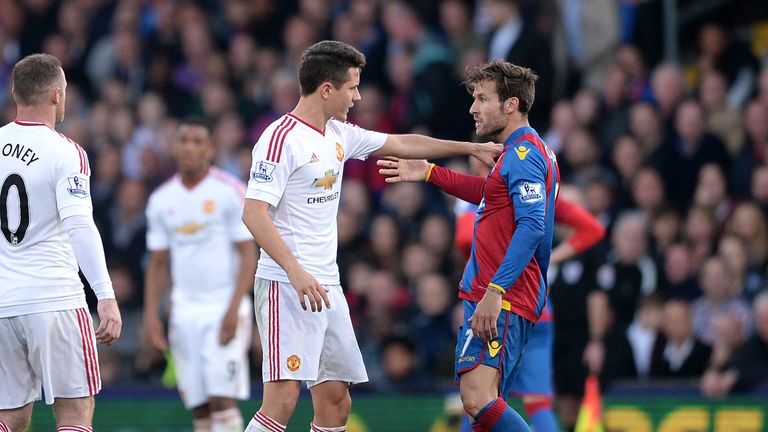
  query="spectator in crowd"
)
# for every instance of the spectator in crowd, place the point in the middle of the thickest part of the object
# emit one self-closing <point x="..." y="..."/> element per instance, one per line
<point x="718" y="299"/>
<point x="749" y="368"/>
<point x="681" y="355"/>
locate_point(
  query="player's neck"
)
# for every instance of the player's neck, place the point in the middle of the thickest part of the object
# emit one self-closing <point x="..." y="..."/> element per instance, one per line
<point x="34" y="114"/>
<point x="311" y="112"/>
<point x="192" y="179"/>
<point x="512" y="126"/>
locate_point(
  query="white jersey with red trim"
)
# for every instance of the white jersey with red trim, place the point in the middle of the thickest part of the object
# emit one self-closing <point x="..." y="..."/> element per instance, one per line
<point x="44" y="178"/>
<point x="297" y="169"/>
<point x="199" y="226"/>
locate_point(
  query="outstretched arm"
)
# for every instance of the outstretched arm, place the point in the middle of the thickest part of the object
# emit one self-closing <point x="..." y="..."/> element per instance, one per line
<point x="465" y="187"/>
<point x="413" y="146"/>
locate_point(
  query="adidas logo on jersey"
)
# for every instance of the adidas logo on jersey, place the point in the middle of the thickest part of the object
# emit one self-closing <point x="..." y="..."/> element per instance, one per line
<point x="314" y="158"/>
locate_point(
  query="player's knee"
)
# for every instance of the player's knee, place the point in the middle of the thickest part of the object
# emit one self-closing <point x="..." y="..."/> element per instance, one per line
<point x="473" y="402"/>
<point x="336" y="408"/>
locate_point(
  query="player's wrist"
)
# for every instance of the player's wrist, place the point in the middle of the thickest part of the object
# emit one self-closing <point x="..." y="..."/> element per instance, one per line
<point x="428" y="174"/>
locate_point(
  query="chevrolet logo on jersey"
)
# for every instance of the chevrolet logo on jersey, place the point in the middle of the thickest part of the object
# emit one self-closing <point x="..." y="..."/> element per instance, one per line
<point x="493" y="347"/>
<point x="190" y="228"/>
<point x="522" y="152"/>
<point x="326" y="182"/>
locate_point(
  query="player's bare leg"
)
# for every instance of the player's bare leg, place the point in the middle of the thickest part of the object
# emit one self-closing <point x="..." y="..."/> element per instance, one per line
<point x="332" y="403"/>
<point x="479" y="389"/>
<point x="224" y="415"/>
<point x="17" y="419"/>
<point x="202" y="418"/>
<point x="73" y="412"/>
<point x="277" y="407"/>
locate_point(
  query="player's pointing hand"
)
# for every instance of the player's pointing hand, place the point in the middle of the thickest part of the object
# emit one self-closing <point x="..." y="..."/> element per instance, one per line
<point x="307" y="286"/>
<point x="403" y="170"/>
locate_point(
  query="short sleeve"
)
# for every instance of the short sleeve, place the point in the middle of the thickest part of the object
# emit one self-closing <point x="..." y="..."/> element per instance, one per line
<point x="157" y="233"/>
<point x="270" y="170"/>
<point x="359" y="142"/>
<point x="73" y="189"/>
<point x="238" y="232"/>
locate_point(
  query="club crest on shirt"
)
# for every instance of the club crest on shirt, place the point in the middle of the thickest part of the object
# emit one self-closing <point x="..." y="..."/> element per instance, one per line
<point x="262" y="172"/>
<point x="78" y="187"/>
<point x="293" y="363"/>
<point x="522" y="151"/>
<point x="530" y="193"/>
<point x="493" y="347"/>
<point x="209" y="206"/>
<point x="339" y="152"/>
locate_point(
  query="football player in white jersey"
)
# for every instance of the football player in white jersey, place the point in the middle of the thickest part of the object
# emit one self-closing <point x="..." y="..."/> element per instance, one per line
<point x="46" y="333"/>
<point x="195" y="230"/>
<point x="290" y="208"/>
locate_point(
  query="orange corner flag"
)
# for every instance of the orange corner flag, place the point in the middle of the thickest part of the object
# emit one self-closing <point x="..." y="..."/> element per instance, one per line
<point x="591" y="413"/>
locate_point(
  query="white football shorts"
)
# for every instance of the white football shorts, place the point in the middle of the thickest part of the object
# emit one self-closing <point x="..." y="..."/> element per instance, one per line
<point x="304" y="345"/>
<point x="205" y="368"/>
<point x="52" y="351"/>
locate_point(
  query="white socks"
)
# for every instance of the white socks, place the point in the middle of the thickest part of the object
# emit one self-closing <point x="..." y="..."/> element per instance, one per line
<point x="262" y="423"/>
<point x="228" y="420"/>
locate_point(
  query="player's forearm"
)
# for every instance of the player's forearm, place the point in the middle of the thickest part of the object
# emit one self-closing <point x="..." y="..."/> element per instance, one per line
<point x="414" y="146"/>
<point x="156" y="280"/>
<point x="519" y="253"/>
<point x="598" y="315"/>
<point x="265" y="233"/>
<point x="465" y="187"/>
<point x="587" y="229"/>
<point x="245" y="273"/>
<point x="89" y="252"/>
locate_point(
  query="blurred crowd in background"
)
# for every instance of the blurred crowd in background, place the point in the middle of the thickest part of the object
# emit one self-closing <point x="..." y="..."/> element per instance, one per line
<point x="671" y="157"/>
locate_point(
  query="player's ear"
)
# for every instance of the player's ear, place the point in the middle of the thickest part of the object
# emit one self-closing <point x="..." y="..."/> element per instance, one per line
<point x="511" y="105"/>
<point x="325" y="89"/>
<point x="56" y="96"/>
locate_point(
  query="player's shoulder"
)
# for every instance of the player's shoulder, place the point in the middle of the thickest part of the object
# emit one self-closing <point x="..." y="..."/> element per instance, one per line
<point x="165" y="189"/>
<point x="227" y="182"/>
<point x="340" y="126"/>
<point x="281" y="134"/>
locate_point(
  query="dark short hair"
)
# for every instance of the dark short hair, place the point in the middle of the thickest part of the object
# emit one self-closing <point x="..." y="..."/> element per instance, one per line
<point x="327" y="61"/>
<point x="33" y="76"/>
<point x="196" y="121"/>
<point x="511" y="81"/>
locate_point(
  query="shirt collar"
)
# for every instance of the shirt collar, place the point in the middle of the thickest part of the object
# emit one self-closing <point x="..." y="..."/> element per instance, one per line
<point x="518" y="133"/>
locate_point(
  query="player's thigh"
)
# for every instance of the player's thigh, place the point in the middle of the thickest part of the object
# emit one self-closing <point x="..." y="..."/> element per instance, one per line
<point x="534" y="376"/>
<point x="291" y="338"/>
<point x="502" y="353"/>
<point x="341" y="359"/>
<point x="226" y="370"/>
<point x="186" y="338"/>
<point x="20" y="384"/>
<point x="62" y="352"/>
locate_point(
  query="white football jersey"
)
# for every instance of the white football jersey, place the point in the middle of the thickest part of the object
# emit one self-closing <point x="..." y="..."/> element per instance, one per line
<point x="199" y="226"/>
<point x="297" y="169"/>
<point x="44" y="178"/>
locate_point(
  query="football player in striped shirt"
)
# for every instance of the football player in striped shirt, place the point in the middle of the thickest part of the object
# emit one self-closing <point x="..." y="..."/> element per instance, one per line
<point x="291" y="206"/>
